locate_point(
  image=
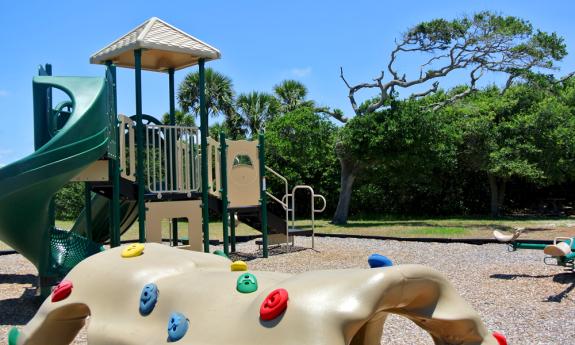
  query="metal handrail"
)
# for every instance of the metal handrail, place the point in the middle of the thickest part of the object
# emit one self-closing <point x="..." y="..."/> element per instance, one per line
<point x="285" y="204"/>
<point x="324" y="202"/>
<point x="281" y="178"/>
<point x="313" y="212"/>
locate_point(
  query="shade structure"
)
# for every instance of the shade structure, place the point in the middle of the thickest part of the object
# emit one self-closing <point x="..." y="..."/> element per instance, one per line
<point x="164" y="46"/>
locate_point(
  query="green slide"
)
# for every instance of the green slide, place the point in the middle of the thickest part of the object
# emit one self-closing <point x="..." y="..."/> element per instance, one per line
<point x="101" y="218"/>
<point x="62" y="151"/>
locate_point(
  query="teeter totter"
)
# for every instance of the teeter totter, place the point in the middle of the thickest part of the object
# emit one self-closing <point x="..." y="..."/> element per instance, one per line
<point x="562" y="250"/>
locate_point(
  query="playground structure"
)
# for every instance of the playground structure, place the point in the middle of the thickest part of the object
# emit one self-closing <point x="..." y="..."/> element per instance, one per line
<point x="134" y="168"/>
<point x="138" y="168"/>
<point x="562" y="250"/>
<point x="225" y="306"/>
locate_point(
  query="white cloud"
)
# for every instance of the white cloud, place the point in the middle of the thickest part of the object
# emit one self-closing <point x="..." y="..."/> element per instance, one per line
<point x="300" y="72"/>
<point x="3" y="93"/>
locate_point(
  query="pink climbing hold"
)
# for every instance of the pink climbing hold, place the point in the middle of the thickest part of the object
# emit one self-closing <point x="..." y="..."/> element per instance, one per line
<point x="500" y="338"/>
<point x="62" y="290"/>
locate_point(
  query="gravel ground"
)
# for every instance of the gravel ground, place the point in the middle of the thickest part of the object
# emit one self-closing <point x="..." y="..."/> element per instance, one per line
<point x="515" y="293"/>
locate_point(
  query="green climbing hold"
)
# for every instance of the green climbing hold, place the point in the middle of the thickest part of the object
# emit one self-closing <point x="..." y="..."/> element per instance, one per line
<point x="220" y="253"/>
<point x="247" y="283"/>
<point x="13" y="336"/>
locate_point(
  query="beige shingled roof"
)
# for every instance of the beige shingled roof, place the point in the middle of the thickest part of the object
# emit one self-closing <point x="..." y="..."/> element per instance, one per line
<point x="163" y="45"/>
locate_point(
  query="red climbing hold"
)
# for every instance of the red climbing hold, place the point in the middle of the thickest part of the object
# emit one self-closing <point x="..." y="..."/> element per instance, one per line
<point x="274" y="304"/>
<point x="500" y="338"/>
<point x="62" y="291"/>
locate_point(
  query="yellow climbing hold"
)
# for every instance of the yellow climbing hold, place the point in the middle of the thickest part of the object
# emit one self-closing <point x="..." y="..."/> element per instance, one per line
<point x="239" y="266"/>
<point x="134" y="249"/>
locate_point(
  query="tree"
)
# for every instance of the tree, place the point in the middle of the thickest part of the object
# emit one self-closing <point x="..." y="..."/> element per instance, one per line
<point x="255" y="109"/>
<point x="182" y="119"/>
<point x="219" y="93"/>
<point x="291" y="94"/>
<point x="479" y="44"/>
<point x="410" y="147"/>
<point x="299" y="145"/>
<point x="519" y="135"/>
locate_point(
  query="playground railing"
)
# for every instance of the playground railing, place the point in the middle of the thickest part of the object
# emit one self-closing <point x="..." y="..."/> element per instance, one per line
<point x="127" y="150"/>
<point x="288" y="204"/>
<point x="171" y="162"/>
<point x="284" y="202"/>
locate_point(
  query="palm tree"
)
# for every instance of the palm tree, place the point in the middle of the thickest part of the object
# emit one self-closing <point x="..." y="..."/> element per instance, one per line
<point x="291" y="94"/>
<point x="182" y="119"/>
<point x="256" y="108"/>
<point x="219" y="93"/>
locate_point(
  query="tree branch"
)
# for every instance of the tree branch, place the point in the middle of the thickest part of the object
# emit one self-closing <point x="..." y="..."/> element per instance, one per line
<point x="474" y="78"/>
<point x="336" y="113"/>
<point x="433" y="89"/>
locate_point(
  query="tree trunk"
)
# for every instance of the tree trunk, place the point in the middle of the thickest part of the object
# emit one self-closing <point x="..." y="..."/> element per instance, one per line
<point x="494" y="197"/>
<point x="348" y="174"/>
<point x="501" y="193"/>
<point x="497" y="190"/>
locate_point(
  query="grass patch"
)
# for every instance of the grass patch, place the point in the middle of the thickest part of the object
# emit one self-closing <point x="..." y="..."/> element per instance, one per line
<point x="444" y="227"/>
<point x="438" y="231"/>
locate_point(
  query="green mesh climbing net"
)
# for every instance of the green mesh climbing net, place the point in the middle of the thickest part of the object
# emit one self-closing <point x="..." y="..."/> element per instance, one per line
<point x="68" y="249"/>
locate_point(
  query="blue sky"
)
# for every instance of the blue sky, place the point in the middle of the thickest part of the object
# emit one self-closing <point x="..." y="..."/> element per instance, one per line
<point x="262" y="43"/>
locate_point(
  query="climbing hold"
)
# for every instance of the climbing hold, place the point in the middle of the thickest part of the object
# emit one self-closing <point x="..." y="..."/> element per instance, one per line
<point x="13" y="336"/>
<point x="274" y="304"/>
<point x="148" y="298"/>
<point x="376" y="260"/>
<point x="239" y="266"/>
<point x="133" y="250"/>
<point x="62" y="290"/>
<point x="221" y="253"/>
<point x="177" y="327"/>
<point x="247" y="283"/>
<point x="500" y="338"/>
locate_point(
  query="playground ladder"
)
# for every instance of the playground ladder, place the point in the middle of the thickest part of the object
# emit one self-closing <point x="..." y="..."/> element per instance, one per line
<point x="288" y="202"/>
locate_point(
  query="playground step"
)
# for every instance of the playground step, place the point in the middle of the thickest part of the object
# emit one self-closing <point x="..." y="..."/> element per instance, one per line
<point x="299" y="231"/>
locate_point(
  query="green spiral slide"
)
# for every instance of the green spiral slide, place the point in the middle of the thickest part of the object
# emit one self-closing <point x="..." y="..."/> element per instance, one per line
<point x="63" y="149"/>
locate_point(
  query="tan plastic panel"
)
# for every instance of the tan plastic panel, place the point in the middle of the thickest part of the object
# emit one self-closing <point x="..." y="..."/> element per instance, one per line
<point x="243" y="180"/>
<point x="334" y="307"/>
<point x="190" y="209"/>
<point x="95" y="172"/>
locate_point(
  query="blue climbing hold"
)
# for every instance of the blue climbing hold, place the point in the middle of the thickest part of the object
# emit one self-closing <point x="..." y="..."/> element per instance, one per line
<point x="148" y="298"/>
<point x="376" y="260"/>
<point x="177" y="327"/>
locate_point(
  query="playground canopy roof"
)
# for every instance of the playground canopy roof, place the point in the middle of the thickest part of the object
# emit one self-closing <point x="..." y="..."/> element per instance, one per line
<point x="164" y="46"/>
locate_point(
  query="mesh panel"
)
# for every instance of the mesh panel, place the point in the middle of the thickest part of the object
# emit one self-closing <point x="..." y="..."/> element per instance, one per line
<point x="68" y="249"/>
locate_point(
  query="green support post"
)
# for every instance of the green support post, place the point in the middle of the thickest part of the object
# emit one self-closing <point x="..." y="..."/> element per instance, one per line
<point x="224" y="190"/>
<point x="140" y="147"/>
<point x="114" y="165"/>
<point x="204" y="153"/>
<point x="263" y="195"/>
<point x="173" y="143"/>
<point x="233" y="230"/>
<point x="42" y="119"/>
<point x="88" y="208"/>
<point x="52" y="206"/>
